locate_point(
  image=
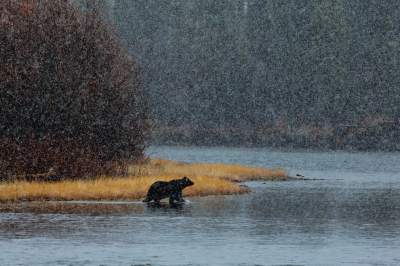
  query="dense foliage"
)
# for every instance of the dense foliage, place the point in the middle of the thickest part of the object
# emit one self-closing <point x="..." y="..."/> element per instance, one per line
<point x="70" y="97"/>
<point x="269" y="72"/>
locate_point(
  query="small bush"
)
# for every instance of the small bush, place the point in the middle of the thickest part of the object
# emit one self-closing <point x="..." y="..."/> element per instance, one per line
<point x="70" y="95"/>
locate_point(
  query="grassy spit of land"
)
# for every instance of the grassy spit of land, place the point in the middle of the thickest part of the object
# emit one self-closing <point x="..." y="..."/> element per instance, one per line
<point x="209" y="179"/>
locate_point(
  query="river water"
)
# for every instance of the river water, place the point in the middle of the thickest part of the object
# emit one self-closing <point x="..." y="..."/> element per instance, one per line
<point x="350" y="218"/>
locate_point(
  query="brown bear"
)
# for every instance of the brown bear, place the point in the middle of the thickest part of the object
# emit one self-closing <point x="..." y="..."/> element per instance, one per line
<point x="172" y="189"/>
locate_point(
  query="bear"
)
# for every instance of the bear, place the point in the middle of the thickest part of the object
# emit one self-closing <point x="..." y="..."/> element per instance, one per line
<point x="172" y="189"/>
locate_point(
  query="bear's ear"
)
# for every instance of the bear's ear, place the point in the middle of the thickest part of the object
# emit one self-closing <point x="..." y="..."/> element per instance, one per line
<point x="187" y="181"/>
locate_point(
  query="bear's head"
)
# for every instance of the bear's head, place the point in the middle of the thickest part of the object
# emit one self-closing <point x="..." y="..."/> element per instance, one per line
<point x="186" y="182"/>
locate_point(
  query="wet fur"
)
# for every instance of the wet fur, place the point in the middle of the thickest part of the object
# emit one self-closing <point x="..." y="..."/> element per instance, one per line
<point x="172" y="190"/>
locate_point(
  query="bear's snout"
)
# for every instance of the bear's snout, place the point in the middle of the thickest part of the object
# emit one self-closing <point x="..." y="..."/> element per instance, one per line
<point x="187" y="181"/>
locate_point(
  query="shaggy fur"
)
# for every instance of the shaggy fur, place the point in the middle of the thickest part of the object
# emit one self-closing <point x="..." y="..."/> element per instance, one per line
<point x="172" y="189"/>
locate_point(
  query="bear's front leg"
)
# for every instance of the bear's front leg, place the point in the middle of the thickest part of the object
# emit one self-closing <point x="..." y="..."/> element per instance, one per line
<point x="175" y="197"/>
<point x="180" y="198"/>
<point x="171" y="200"/>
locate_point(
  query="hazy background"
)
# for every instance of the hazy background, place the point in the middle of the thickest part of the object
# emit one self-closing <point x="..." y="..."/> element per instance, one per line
<point x="295" y="73"/>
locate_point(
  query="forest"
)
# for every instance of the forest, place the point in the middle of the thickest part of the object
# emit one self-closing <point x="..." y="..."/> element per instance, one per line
<point x="295" y="73"/>
<point x="70" y="94"/>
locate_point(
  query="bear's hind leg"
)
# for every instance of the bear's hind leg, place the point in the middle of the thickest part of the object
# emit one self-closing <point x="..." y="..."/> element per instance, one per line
<point x="147" y="199"/>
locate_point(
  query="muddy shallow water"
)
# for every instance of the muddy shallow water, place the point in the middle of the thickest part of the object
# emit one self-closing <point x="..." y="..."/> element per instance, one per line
<point x="351" y="218"/>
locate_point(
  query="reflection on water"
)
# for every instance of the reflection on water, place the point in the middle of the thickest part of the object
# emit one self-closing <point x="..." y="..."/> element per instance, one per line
<point x="352" y="218"/>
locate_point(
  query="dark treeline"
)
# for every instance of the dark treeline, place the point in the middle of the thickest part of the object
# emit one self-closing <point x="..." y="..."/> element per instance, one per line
<point x="300" y="73"/>
<point x="70" y="96"/>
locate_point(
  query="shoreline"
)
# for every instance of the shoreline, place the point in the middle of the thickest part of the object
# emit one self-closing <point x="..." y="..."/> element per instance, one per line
<point x="209" y="179"/>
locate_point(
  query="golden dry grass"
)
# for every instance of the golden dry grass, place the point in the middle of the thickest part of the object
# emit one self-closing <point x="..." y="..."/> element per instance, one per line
<point x="232" y="172"/>
<point x="105" y="188"/>
<point x="209" y="179"/>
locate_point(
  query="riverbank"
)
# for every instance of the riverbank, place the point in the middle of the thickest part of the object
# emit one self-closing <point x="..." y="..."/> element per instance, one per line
<point x="209" y="179"/>
<point x="379" y="134"/>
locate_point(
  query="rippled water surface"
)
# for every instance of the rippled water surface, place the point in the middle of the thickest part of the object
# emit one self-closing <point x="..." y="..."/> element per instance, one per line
<point x="350" y="218"/>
